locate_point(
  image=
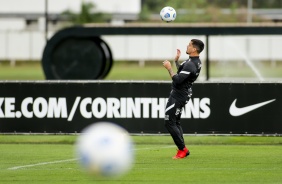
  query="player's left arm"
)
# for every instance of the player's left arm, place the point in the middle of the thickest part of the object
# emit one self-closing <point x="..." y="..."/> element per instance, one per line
<point x="178" y="54"/>
<point x="167" y="64"/>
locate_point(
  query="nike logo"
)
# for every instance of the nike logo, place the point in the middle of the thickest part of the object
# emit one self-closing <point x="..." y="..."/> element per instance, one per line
<point x="235" y="111"/>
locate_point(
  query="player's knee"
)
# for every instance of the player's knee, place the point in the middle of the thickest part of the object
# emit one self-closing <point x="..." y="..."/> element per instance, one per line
<point x="166" y="122"/>
<point x="177" y="122"/>
<point x="166" y="118"/>
<point x="169" y="122"/>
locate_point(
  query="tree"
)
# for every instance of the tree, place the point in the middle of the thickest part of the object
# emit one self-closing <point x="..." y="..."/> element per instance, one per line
<point x="85" y="15"/>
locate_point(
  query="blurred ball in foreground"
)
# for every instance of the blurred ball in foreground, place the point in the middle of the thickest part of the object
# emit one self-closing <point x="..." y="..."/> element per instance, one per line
<point x="105" y="149"/>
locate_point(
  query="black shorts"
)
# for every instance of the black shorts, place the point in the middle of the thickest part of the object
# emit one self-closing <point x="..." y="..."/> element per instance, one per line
<point x="174" y="109"/>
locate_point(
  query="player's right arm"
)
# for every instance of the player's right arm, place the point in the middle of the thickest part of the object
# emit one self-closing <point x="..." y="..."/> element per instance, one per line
<point x="178" y="54"/>
<point x="186" y="71"/>
<point x="167" y="65"/>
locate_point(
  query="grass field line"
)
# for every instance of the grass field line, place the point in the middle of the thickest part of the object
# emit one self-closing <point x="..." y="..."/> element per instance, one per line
<point x="70" y="160"/>
<point x="41" y="163"/>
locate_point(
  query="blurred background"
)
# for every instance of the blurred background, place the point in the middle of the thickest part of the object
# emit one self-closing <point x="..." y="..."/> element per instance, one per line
<point x="27" y="25"/>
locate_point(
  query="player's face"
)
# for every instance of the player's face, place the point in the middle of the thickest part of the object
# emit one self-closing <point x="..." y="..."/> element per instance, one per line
<point x="190" y="49"/>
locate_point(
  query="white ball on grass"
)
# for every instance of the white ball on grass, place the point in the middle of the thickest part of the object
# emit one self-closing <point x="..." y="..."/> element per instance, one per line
<point x="105" y="149"/>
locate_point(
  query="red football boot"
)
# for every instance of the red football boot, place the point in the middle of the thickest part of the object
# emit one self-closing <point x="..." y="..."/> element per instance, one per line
<point x="182" y="154"/>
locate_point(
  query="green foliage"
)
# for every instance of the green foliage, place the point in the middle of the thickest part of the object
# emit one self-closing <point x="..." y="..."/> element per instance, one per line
<point x="145" y="13"/>
<point x="188" y="11"/>
<point x="85" y="15"/>
<point x="195" y="11"/>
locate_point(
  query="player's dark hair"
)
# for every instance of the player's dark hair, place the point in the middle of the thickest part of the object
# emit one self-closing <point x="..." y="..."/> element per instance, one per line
<point x="198" y="44"/>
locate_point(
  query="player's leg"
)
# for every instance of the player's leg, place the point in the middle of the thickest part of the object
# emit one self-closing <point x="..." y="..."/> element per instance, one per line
<point x="170" y="123"/>
<point x="178" y="117"/>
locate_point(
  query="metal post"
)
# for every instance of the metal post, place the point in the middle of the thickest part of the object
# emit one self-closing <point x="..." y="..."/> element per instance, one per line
<point x="46" y="20"/>
<point x="250" y="11"/>
<point x="207" y="59"/>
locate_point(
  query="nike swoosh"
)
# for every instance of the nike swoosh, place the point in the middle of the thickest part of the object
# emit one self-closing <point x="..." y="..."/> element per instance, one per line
<point x="235" y="111"/>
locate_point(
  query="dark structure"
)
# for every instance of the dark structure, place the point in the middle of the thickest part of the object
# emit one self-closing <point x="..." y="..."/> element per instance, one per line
<point x="69" y="106"/>
<point x="79" y="53"/>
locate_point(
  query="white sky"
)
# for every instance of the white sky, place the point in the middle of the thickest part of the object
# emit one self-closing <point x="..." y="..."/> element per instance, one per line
<point x="58" y="6"/>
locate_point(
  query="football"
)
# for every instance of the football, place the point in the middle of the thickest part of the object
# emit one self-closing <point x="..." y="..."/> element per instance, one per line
<point x="168" y="14"/>
<point x="105" y="149"/>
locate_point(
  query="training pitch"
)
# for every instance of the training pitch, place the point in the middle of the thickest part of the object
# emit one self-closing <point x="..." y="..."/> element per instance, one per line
<point x="213" y="159"/>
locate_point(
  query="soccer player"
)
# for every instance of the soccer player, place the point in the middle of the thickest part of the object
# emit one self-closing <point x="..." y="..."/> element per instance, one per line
<point x="182" y="82"/>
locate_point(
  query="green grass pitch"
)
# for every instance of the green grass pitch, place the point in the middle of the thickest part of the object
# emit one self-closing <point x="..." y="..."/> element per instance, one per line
<point x="151" y="71"/>
<point x="213" y="159"/>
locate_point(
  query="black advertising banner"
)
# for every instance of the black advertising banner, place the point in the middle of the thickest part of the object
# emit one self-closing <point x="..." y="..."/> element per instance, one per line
<point x="139" y="106"/>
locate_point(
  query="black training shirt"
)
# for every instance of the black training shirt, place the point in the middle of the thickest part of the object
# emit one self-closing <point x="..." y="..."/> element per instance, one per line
<point x="182" y="82"/>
